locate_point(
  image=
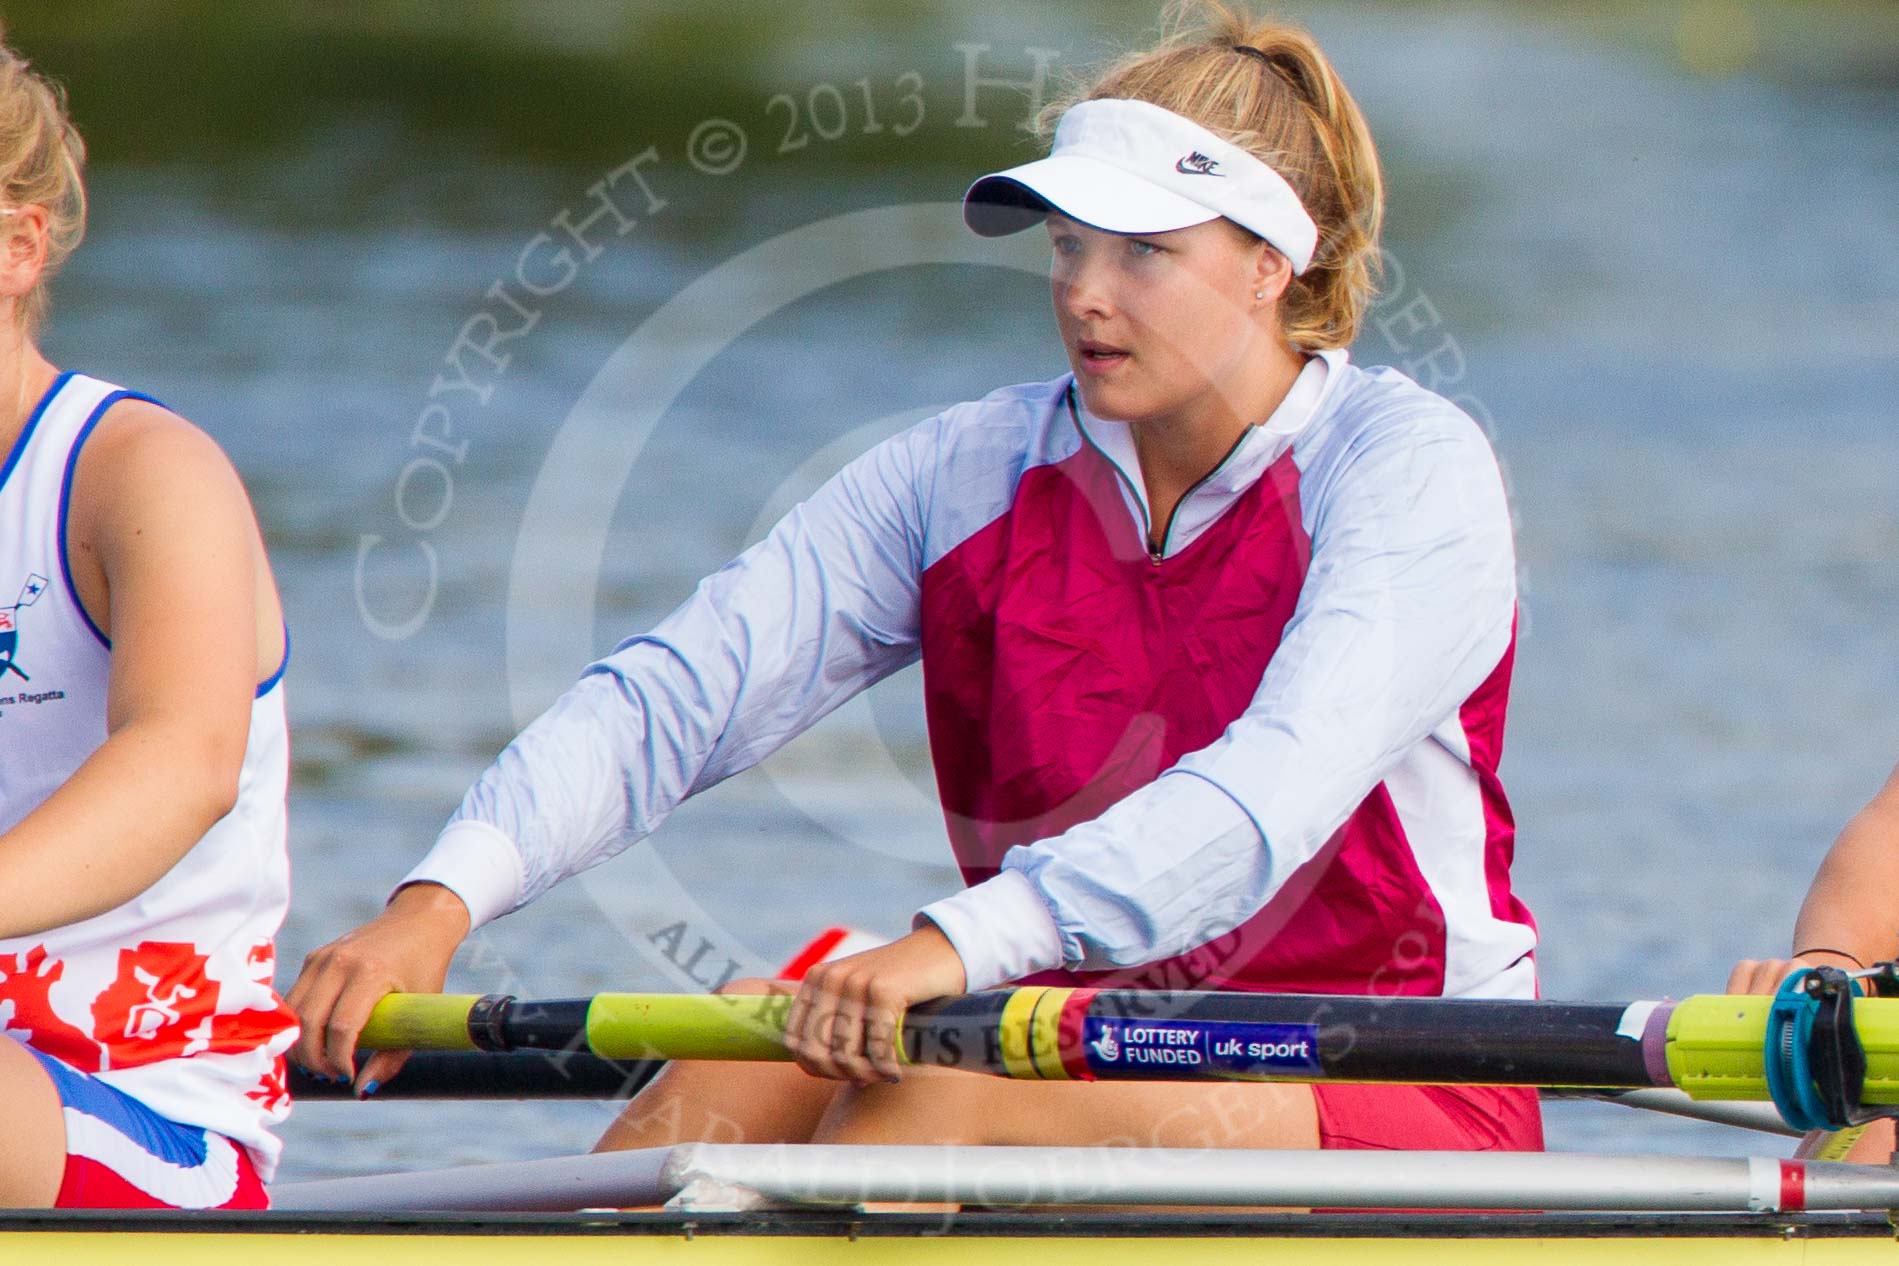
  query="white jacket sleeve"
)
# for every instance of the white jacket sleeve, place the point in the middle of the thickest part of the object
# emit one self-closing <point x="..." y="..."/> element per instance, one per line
<point x="1407" y="607"/>
<point x="826" y="605"/>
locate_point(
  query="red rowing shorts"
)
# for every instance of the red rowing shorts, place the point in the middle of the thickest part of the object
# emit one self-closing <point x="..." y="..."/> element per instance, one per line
<point x="1430" y="1118"/>
<point x="120" y="1154"/>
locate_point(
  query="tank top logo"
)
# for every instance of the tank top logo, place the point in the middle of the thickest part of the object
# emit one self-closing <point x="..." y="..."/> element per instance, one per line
<point x="10" y="627"/>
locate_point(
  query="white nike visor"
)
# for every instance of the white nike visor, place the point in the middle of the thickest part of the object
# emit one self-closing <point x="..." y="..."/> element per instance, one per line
<point x="1135" y="167"/>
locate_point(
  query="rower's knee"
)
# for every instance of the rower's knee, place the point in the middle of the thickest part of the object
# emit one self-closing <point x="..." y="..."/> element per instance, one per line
<point x="32" y="1130"/>
<point x="927" y="1106"/>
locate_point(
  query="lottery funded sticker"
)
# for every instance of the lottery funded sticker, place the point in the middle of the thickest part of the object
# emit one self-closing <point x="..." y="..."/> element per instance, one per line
<point x="1195" y="1048"/>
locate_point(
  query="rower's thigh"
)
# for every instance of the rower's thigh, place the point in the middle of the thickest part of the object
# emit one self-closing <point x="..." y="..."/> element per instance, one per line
<point x="721" y="1102"/>
<point x="32" y="1131"/>
<point x="943" y="1106"/>
<point x="724" y="1101"/>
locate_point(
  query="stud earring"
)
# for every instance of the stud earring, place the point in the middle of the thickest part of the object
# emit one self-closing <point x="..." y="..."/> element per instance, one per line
<point x="1259" y="294"/>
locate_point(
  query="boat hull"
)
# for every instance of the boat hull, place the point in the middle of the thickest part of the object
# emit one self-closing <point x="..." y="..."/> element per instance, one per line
<point x="820" y="1239"/>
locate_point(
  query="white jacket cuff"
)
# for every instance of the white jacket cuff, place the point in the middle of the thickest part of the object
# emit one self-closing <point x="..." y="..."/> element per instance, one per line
<point x="479" y="864"/>
<point x="1001" y="929"/>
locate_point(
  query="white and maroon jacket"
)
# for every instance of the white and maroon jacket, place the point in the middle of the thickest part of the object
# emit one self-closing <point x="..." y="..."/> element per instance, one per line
<point x="1264" y="760"/>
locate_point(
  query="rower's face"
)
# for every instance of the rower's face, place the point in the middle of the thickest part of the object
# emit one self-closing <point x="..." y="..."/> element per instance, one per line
<point x="1152" y="322"/>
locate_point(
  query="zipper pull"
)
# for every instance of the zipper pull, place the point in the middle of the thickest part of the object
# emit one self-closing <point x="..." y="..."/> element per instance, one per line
<point x="1153" y="553"/>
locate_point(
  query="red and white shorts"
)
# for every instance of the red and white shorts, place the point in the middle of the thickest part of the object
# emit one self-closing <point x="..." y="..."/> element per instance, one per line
<point x="122" y="1155"/>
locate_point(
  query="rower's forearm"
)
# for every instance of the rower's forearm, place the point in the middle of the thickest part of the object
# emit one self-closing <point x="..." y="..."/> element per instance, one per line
<point x="1853" y="904"/>
<point x="112" y="830"/>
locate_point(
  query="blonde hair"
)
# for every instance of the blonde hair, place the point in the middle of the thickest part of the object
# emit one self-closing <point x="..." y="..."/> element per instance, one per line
<point x="42" y="159"/>
<point x="1284" y="104"/>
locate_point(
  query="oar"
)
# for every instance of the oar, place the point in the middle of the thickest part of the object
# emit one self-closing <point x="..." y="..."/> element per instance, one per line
<point x="505" y="1075"/>
<point x="1710" y="1046"/>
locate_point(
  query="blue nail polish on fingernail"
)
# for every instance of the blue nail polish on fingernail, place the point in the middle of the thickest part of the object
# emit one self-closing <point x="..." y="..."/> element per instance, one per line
<point x="371" y="1088"/>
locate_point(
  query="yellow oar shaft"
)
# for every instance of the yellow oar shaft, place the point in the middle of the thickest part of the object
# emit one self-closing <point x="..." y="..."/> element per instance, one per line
<point x="616" y="1026"/>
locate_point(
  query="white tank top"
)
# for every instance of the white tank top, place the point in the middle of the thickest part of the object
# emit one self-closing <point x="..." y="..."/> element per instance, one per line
<point x="168" y="997"/>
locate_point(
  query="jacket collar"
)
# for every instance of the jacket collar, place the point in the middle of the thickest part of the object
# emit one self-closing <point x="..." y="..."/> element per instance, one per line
<point x="1261" y="445"/>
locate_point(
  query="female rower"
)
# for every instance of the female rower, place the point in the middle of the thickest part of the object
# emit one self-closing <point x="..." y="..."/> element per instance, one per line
<point x="1216" y="630"/>
<point x="1849" y="920"/>
<point x="142" y="765"/>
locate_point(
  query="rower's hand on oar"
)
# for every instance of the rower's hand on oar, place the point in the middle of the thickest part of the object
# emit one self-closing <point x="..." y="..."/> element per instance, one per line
<point x="844" y="1022"/>
<point x="405" y="949"/>
<point x="1765" y="975"/>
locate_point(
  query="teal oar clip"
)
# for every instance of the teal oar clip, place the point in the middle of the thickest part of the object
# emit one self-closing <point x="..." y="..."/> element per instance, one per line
<point x="1816" y="1068"/>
